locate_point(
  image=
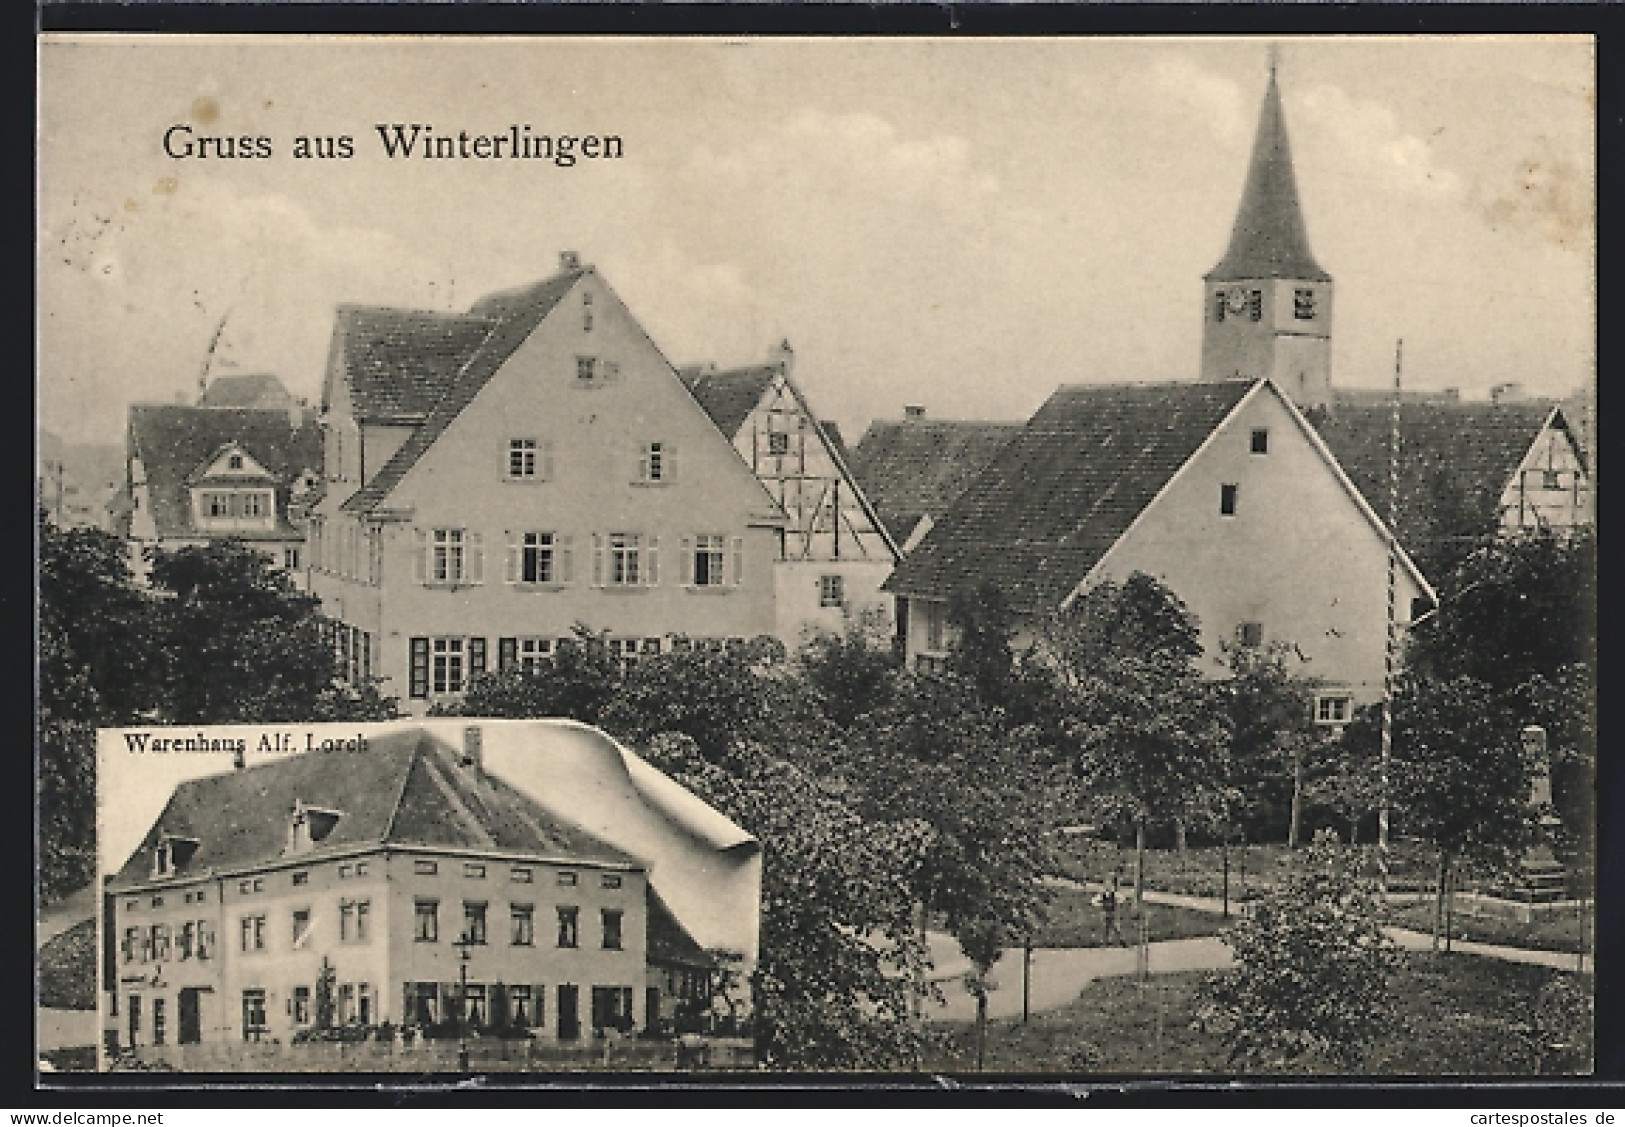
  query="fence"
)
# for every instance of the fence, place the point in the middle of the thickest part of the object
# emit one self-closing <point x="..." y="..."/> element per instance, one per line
<point x="485" y="1054"/>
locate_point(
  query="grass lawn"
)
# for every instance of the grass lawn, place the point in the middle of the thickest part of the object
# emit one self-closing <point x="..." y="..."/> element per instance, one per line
<point x="1073" y="921"/>
<point x="1456" y="1015"/>
<point x="67" y="969"/>
<point x="1555" y="932"/>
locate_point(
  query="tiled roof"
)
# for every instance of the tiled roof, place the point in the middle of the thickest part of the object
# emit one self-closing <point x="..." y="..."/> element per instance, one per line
<point x="670" y="943"/>
<point x="919" y="467"/>
<point x="399" y="362"/>
<point x="1064" y="489"/>
<point x="403" y="788"/>
<point x="729" y="396"/>
<point x="513" y="316"/>
<point x="254" y="389"/>
<point x="1455" y="461"/>
<point x="175" y="442"/>
<point x="1269" y="239"/>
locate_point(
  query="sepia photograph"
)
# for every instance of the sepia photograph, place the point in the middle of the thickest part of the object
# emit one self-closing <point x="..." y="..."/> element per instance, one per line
<point x="1062" y="558"/>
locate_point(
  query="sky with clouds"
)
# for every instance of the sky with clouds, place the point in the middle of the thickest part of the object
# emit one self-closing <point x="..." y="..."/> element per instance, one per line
<point x="962" y="224"/>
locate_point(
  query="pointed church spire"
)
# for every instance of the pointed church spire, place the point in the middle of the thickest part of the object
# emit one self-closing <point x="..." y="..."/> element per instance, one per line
<point x="1269" y="239"/>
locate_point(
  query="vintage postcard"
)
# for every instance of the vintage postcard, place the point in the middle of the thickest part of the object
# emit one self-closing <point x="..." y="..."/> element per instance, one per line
<point x="911" y="556"/>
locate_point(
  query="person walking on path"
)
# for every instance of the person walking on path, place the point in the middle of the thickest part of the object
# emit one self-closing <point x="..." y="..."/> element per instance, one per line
<point x="1108" y="908"/>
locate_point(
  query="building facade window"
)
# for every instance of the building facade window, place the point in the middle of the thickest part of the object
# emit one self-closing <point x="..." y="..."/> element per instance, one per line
<point x="425" y="868"/>
<point x="586" y="368"/>
<point x="611" y="1008"/>
<point x="539" y="557"/>
<point x="1250" y="634"/>
<point x="569" y="921"/>
<point x="831" y="591"/>
<point x="447" y="560"/>
<point x="301" y="1005"/>
<point x="355" y="921"/>
<point x="567" y="880"/>
<point x="426" y="921"/>
<point x="1260" y="441"/>
<point x="1228" y="495"/>
<point x="1332" y="708"/>
<point x="253" y="933"/>
<point x="1303" y="305"/>
<point x="709" y="560"/>
<point x="301" y="927"/>
<point x="474" y="869"/>
<point x="474" y="921"/>
<point x="778" y="443"/>
<point x="610" y="880"/>
<point x="611" y="920"/>
<point x="254" y="1024"/>
<point x="522" y="458"/>
<point x="522" y="918"/>
<point x="521" y="1006"/>
<point x="655" y="465"/>
<point x="625" y="559"/>
<point x="446" y="673"/>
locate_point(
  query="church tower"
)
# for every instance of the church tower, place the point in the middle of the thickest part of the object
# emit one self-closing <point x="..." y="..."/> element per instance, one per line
<point x="1267" y="305"/>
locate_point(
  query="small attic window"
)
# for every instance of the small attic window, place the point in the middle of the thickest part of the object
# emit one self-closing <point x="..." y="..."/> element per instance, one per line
<point x="171" y="854"/>
<point x="309" y="825"/>
<point x="234" y="461"/>
<point x="1260" y="441"/>
<point x="586" y="312"/>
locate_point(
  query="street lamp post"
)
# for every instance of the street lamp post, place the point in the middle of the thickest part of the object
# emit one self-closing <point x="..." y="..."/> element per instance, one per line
<point x="463" y="943"/>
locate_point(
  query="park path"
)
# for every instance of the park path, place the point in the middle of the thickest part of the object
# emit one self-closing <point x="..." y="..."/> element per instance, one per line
<point x="1408" y="939"/>
<point x="1057" y="974"/>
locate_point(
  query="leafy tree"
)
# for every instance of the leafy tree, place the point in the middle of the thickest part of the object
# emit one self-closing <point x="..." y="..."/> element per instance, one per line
<point x="236" y="643"/>
<point x="991" y="797"/>
<point x="579" y="683"/>
<point x="1310" y="987"/>
<point x="722" y="699"/>
<point x="1137" y="618"/>
<point x="851" y="672"/>
<point x="1519" y="606"/>
<point x="842" y="963"/>
<point x="99" y="625"/>
<point x="1276" y="749"/>
<point x="1458" y="775"/>
<point x="93" y="651"/>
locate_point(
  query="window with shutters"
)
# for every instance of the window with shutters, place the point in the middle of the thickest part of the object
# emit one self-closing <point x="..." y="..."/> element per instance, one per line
<point x="540" y="558"/>
<point x="657" y="463"/>
<point x="522" y="458"/>
<point x="447" y="666"/>
<point x="528" y="655"/>
<point x="447" y="563"/>
<point x="626" y="558"/>
<point x="709" y="561"/>
<point x="419" y="667"/>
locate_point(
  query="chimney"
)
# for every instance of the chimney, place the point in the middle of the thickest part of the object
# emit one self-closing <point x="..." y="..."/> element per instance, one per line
<point x="473" y="748"/>
<point x="569" y="261"/>
<point x="1506" y="393"/>
<point x="914" y="411"/>
<point x="784" y="356"/>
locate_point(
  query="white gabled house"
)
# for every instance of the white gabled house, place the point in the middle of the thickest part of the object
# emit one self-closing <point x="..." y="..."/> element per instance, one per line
<point x="495" y="478"/>
<point x="1222" y="491"/>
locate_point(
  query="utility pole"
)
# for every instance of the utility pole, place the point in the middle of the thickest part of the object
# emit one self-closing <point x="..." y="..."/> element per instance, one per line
<point x="1392" y="638"/>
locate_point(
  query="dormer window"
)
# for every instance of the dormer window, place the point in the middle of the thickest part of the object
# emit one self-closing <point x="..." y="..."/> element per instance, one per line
<point x="171" y="854"/>
<point x="308" y="826"/>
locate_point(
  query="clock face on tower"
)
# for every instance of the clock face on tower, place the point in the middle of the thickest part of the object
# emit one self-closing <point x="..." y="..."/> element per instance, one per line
<point x="1236" y="300"/>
